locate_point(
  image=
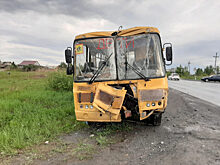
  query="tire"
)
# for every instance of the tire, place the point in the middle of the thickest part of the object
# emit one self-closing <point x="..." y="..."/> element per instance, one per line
<point x="156" y="119"/>
<point x="206" y="80"/>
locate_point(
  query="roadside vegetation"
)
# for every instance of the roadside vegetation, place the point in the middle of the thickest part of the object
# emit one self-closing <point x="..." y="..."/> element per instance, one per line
<point x="33" y="110"/>
<point x="59" y="81"/>
<point x="37" y="107"/>
<point x="199" y="72"/>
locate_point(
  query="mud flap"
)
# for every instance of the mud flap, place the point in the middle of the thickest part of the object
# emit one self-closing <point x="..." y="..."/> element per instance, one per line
<point x="109" y="99"/>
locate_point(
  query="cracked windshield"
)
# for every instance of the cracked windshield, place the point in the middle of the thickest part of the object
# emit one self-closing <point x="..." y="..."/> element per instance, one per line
<point x="94" y="55"/>
<point x="135" y="55"/>
<point x="139" y="54"/>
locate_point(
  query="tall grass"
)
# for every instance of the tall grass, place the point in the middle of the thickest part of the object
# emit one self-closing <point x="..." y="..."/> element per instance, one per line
<point x="30" y="113"/>
<point x="59" y="81"/>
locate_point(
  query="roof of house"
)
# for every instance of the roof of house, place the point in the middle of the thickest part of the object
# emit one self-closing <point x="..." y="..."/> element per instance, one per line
<point x="28" y="62"/>
<point x="125" y="32"/>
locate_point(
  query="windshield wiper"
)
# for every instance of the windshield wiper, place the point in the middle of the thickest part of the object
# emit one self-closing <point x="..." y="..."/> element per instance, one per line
<point x="99" y="70"/>
<point x="137" y="71"/>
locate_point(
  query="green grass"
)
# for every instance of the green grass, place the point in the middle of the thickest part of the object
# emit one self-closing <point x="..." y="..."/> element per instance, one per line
<point x="31" y="113"/>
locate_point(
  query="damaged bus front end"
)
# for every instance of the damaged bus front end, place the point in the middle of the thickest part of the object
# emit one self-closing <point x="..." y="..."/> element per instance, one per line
<point x="119" y="75"/>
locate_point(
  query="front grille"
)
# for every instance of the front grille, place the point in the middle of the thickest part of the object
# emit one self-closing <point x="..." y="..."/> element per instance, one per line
<point x="85" y="97"/>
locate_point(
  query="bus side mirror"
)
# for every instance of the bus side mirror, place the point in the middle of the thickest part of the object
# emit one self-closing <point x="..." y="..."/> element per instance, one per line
<point x="169" y="52"/>
<point x="68" y="57"/>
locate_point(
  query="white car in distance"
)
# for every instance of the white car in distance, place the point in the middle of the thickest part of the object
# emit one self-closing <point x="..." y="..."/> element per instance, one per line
<point x="174" y="76"/>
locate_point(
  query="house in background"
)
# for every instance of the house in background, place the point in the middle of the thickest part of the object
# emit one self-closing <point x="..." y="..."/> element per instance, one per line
<point x="5" y="65"/>
<point x="26" y="63"/>
<point x="1" y="63"/>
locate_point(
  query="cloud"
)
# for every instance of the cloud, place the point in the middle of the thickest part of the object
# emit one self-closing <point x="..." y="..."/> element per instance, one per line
<point x="42" y="29"/>
<point x="34" y="36"/>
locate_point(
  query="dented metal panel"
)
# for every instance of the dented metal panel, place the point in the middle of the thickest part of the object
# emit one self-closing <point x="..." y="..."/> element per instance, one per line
<point x="109" y="99"/>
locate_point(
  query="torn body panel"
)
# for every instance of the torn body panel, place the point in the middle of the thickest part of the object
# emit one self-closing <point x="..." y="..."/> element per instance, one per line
<point x="109" y="99"/>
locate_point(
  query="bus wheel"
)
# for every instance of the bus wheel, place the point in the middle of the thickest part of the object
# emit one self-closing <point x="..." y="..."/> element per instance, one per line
<point x="156" y="119"/>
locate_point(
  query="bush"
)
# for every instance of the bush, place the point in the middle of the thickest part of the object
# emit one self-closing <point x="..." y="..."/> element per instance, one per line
<point x="30" y="67"/>
<point x="62" y="65"/>
<point x="59" y="81"/>
<point x="13" y="66"/>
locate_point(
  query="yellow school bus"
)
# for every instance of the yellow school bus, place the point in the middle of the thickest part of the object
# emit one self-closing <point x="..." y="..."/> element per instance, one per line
<point x="119" y="75"/>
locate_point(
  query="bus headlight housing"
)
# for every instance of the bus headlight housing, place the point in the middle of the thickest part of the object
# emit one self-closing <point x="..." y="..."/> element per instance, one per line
<point x="151" y="95"/>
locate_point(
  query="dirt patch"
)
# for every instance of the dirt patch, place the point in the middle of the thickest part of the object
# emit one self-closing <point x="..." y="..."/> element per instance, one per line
<point x="189" y="134"/>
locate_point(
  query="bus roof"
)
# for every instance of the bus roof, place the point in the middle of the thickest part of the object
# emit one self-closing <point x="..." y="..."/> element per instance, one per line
<point x="125" y="32"/>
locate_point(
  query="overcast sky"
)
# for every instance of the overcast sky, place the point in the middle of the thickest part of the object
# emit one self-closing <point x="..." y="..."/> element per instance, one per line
<point x="42" y="29"/>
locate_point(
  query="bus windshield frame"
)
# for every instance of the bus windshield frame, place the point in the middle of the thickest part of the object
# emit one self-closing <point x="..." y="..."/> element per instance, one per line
<point x="130" y="58"/>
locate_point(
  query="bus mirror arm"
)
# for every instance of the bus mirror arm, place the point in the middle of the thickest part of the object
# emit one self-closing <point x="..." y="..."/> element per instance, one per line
<point x="69" y="69"/>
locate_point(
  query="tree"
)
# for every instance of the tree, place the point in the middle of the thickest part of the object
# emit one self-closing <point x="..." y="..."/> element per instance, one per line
<point x="209" y="70"/>
<point x="168" y="73"/>
<point x="199" y="72"/>
<point x="185" y="71"/>
<point x="182" y="71"/>
<point x="62" y="65"/>
<point x="13" y="66"/>
<point x="179" y="70"/>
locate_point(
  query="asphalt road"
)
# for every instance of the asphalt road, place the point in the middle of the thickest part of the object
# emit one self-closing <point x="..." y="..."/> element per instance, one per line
<point x="207" y="91"/>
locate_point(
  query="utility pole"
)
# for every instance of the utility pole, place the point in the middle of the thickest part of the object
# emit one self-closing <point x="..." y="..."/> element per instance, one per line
<point x="189" y="66"/>
<point x="216" y="56"/>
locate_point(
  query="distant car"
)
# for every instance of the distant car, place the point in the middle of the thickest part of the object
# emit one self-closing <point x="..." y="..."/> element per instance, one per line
<point x="174" y="76"/>
<point x="211" y="78"/>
